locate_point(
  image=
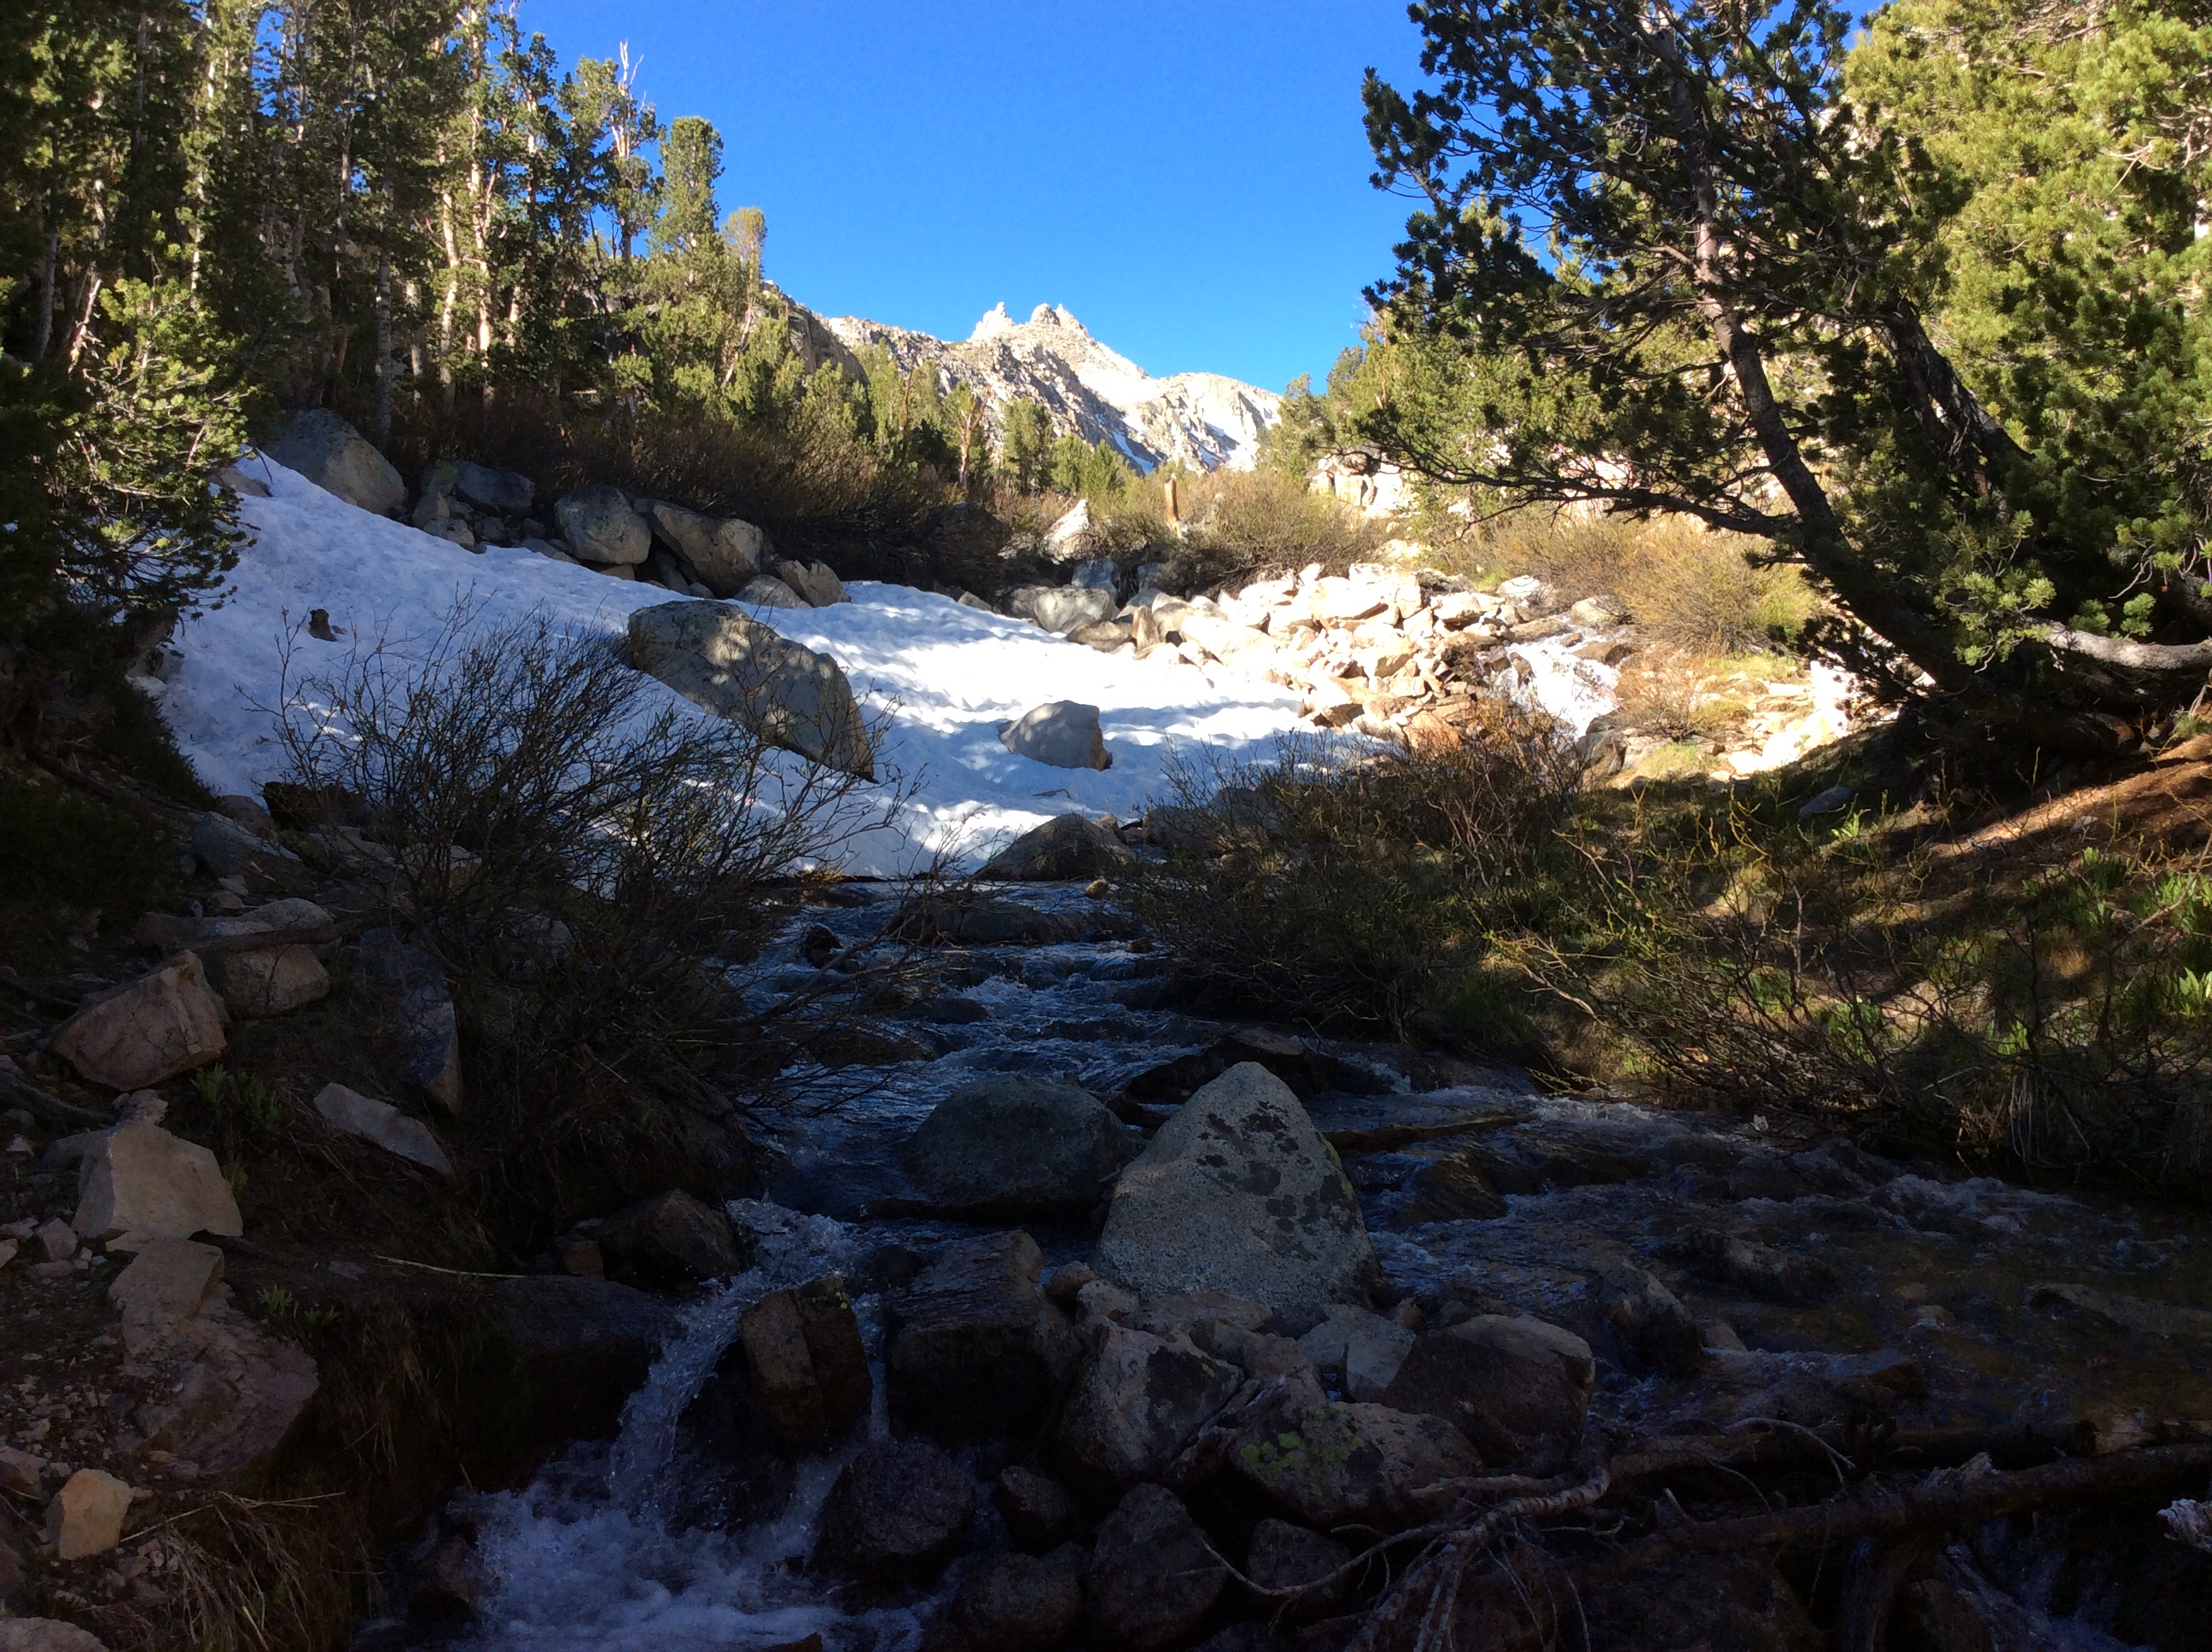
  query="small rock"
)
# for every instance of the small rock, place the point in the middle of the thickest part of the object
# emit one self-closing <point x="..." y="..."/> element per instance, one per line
<point x="1066" y="848"/>
<point x="57" y="1239"/>
<point x="411" y="982"/>
<point x="819" y="945"/>
<point x="766" y="590"/>
<point x="48" y="1634"/>
<point x="963" y="920"/>
<point x="509" y="493"/>
<point x="1068" y="1281"/>
<point x="167" y="1022"/>
<point x="813" y="581"/>
<point x="1826" y="802"/>
<point x="269" y="980"/>
<point x="1153" y="1577"/>
<point x="86" y="1515"/>
<point x="1017" y="1603"/>
<point x="581" y="1256"/>
<point x="1759" y="1270"/>
<point x="1454" y="1188"/>
<point x="1069" y="608"/>
<point x="1018" y="1145"/>
<point x="227" y="848"/>
<point x="979" y="1351"/>
<point x="138" y="1182"/>
<point x="1517" y="1387"/>
<point x="899" y="1510"/>
<point x="19" y="1472"/>
<point x="1061" y="733"/>
<point x="1039" y="1514"/>
<point x="381" y="1122"/>
<point x="1238" y="1193"/>
<point x="669" y="1238"/>
<point x="1362" y="1351"/>
<point x="807" y="1367"/>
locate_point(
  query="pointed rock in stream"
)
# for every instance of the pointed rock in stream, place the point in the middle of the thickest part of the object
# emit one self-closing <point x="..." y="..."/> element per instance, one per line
<point x="1238" y="1193"/>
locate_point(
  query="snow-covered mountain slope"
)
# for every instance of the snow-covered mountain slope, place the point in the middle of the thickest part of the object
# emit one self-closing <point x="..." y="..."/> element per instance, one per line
<point x="1205" y="419"/>
<point x="946" y="676"/>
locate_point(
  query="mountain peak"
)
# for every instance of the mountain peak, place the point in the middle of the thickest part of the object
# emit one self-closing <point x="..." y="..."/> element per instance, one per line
<point x="1056" y="315"/>
<point x="1088" y="389"/>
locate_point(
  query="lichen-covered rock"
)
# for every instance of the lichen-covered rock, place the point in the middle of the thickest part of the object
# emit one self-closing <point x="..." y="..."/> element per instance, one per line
<point x="601" y="528"/>
<point x="269" y="980"/>
<point x="1238" y="1193"/>
<point x="1326" y="1465"/>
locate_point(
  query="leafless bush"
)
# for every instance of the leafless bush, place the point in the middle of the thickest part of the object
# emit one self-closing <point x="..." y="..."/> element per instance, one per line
<point x="582" y="863"/>
<point x="1343" y="887"/>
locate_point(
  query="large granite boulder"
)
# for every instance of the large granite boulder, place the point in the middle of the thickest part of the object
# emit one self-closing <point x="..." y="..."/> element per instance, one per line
<point x="804" y="1364"/>
<point x="585" y="1346"/>
<point x="1153" y="1577"/>
<point x="1066" y="848"/>
<point x="1061" y="733"/>
<point x="1238" y="1193"/>
<point x="716" y="657"/>
<point x="338" y="458"/>
<point x="1019" y="1144"/>
<point x="1327" y="1465"/>
<point x="899" y="1510"/>
<point x="601" y="528"/>
<point x="138" y="1182"/>
<point x="723" y="551"/>
<point x="1136" y="1401"/>
<point x="1062" y="609"/>
<point x="979" y="1352"/>
<point x="167" y="1022"/>
<point x="1518" y="1388"/>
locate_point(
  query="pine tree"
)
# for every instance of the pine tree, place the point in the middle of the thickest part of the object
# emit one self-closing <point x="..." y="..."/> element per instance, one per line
<point x="1024" y="444"/>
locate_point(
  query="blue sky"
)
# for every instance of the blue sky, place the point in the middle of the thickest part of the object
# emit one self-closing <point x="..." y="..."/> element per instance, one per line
<point x="1190" y="181"/>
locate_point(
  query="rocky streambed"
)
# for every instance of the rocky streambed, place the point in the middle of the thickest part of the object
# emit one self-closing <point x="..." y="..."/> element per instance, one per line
<point x="1072" y="1330"/>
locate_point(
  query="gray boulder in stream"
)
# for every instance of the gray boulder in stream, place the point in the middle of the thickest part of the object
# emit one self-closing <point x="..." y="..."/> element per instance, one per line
<point x="900" y="1510"/>
<point x="1018" y="1145"/>
<point x="1066" y="847"/>
<point x="1238" y="1193"/>
<point x="738" y="668"/>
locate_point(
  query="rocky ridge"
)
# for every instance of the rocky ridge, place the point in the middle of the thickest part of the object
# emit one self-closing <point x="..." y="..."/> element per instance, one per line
<point x="1203" y="419"/>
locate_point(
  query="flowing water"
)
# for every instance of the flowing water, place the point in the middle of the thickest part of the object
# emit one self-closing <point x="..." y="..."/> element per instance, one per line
<point x="2012" y="1306"/>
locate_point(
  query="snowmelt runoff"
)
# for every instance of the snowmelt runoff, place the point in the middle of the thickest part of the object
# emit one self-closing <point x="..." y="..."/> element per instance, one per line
<point x="947" y="675"/>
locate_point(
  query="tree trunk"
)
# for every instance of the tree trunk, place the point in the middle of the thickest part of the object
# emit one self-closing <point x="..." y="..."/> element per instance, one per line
<point x="380" y="423"/>
<point x="1825" y="547"/>
<point x="42" y="334"/>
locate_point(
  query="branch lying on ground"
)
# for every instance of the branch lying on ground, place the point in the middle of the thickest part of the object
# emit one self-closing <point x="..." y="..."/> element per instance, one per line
<point x="17" y="1090"/>
<point x="1433" y="1591"/>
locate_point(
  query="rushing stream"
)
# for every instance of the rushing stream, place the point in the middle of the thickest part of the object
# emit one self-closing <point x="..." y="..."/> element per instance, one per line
<point x="1976" y="1303"/>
